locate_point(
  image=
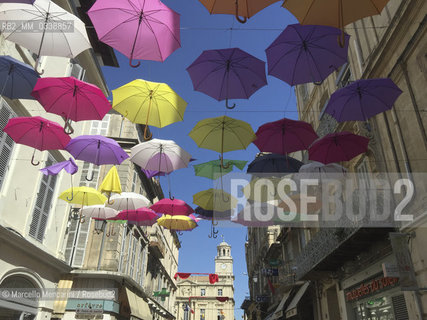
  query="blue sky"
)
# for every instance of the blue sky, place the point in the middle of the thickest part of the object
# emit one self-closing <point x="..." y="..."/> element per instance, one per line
<point x="201" y="31"/>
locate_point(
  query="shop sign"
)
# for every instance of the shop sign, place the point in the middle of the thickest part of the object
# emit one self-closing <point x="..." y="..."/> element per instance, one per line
<point x="272" y="272"/>
<point x="390" y="270"/>
<point x="85" y="310"/>
<point x="262" y="298"/>
<point x="370" y="287"/>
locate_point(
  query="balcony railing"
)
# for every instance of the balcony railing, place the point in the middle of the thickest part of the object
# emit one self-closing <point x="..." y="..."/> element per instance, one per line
<point x="156" y="244"/>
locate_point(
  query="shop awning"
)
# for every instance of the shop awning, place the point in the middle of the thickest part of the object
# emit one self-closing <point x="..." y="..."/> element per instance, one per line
<point x="292" y="308"/>
<point x="279" y="311"/>
<point x="138" y="307"/>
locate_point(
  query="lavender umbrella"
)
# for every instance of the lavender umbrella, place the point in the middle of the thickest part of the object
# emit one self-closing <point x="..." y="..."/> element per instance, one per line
<point x="302" y="54"/>
<point x="363" y="99"/>
<point x="68" y="165"/>
<point x="227" y="74"/>
<point x="97" y="150"/>
<point x="152" y="173"/>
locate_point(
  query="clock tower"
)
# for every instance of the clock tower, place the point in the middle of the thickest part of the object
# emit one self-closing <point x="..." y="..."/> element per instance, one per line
<point x="223" y="260"/>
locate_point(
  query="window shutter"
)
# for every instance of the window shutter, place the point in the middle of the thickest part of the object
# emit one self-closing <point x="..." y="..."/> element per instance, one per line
<point x="399" y="307"/>
<point x="77" y="71"/>
<point x="143" y="266"/>
<point x="80" y="246"/>
<point x="71" y="238"/>
<point x="6" y="142"/>
<point x="43" y="204"/>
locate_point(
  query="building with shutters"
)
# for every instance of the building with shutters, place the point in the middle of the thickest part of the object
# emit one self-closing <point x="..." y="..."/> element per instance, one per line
<point x="33" y="220"/>
<point x="200" y="299"/>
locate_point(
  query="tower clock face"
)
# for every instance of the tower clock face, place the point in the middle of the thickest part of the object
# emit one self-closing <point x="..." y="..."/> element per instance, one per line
<point x="224" y="266"/>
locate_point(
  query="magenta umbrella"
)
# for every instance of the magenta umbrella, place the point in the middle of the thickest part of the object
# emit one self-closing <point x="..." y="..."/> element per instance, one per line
<point x="139" y="29"/>
<point x="37" y="132"/>
<point x="172" y="207"/>
<point x="284" y="136"/>
<point x="72" y="99"/>
<point x="139" y="217"/>
<point x="336" y="147"/>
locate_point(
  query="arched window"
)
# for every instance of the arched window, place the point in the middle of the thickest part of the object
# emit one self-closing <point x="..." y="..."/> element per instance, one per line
<point x="223" y="252"/>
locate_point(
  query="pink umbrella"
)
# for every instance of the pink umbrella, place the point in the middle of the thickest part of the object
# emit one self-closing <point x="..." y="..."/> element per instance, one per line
<point x="139" y="29"/>
<point x="140" y="216"/>
<point x="72" y="99"/>
<point x="336" y="147"/>
<point x="37" y="132"/>
<point x="172" y="207"/>
<point x="284" y="136"/>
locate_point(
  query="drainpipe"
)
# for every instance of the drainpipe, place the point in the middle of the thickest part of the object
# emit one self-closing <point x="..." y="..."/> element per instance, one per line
<point x="402" y="143"/>
<point x="102" y="247"/>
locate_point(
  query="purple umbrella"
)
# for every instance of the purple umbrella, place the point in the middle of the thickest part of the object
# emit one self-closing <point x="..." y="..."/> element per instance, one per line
<point x="137" y="28"/>
<point x="97" y="150"/>
<point x="302" y="54"/>
<point x="68" y="165"/>
<point x="152" y="173"/>
<point x="363" y="99"/>
<point x="227" y="74"/>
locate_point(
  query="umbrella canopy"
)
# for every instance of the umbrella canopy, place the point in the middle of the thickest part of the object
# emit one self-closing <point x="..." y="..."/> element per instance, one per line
<point x="302" y="54"/>
<point x="69" y="166"/>
<point x="180" y="223"/>
<point x="37" y="132"/>
<point x="84" y="196"/>
<point x="227" y="74"/>
<point x="285" y="136"/>
<point x="334" y="13"/>
<point x="258" y="214"/>
<point x="172" y="207"/>
<point x="215" y="199"/>
<point x="239" y="8"/>
<point x="213" y="169"/>
<point x="111" y="183"/>
<point x="128" y="201"/>
<point x="363" y="99"/>
<point x="71" y="98"/>
<point x="161" y="155"/>
<point x="273" y="164"/>
<point x="336" y="147"/>
<point x="318" y="170"/>
<point x="17" y="79"/>
<point x="149" y="103"/>
<point x="265" y="189"/>
<point x="68" y="42"/>
<point x="222" y="134"/>
<point x="96" y="149"/>
<point x="99" y="212"/>
<point x="152" y="173"/>
<point x="140" y="216"/>
<point x="146" y="30"/>
<point x="211" y="214"/>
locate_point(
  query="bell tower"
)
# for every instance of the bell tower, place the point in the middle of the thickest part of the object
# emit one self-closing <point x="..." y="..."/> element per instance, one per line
<point x="223" y="259"/>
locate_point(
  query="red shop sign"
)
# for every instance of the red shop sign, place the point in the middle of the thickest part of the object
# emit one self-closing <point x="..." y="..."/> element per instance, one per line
<point x="369" y="288"/>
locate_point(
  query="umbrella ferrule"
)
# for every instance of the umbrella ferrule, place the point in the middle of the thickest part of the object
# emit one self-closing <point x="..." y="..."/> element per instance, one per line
<point x="141" y="15"/>
<point x="228" y="65"/>
<point x="41" y="126"/>
<point x="11" y="67"/>
<point x="75" y="90"/>
<point x="99" y="144"/>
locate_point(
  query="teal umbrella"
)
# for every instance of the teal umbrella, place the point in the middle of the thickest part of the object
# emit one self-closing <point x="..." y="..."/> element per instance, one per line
<point x="213" y="169"/>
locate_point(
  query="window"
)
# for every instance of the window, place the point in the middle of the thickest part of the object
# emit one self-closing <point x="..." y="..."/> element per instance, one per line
<point x="202" y="292"/>
<point x="363" y="174"/>
<point x="132" y="259"/>
<point x="134" y="181"/>
<point x="220" y="314"/>
<point x="6" y="142"/>
<point x="219" y="292"/>
<point x="143" y="266"/>
<point x="344" y="77"/>
<point x="43" y="204"/>
<point x="303" y="91"/>
<point x="77" y="71"/>
<point x="77" y="236"/>
<point x="202" y="314"/>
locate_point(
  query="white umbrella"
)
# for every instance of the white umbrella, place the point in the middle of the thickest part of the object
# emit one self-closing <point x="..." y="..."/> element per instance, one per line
<point x="160" y="155"/>
<point x="128" y="201"/>
<point x="44" y="28"/>
<point x="318" y="170"/>
<point x="99" y="212"/>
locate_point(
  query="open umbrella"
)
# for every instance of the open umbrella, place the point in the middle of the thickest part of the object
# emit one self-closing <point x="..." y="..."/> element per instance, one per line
<point x="111" y="183"/>
<point x="334" y="13"/>
<point x="258" y="214"/>
<point x="363" y="99"/>
<point x="149" y="103"/>
<point x="17" y="79"/>
<point x="336" y="147"/>
<point x="302" y="54"/>
<point x="172" y="207"/>
<point x="128" y="201"/>
<point x="239" y="8"/>
<point x="96" y="149"/>
<point x="72" y="99"/>
<point x="318" y="170"/>
<point x="273" y="164"/>
<point x="285" y="136"/>
<point x="177" y="222"/>
<point x="222" y="134"/>
<point x="213" y="214"/>
<point x="152" y="173"/>
<point x="68" y="41"/>
<point x="146" y="30"/>
<point x="67" y="165"/>
<point x="98" y="212"/>
<point x="139" y="217"/>
<point x="37" y="132"/>
<point x="227" y="74"/>
<point x="83" y="196"/>
<point x="213" y="169"/>
<point x="265" y="189"/>
<point x="215" y="199"/>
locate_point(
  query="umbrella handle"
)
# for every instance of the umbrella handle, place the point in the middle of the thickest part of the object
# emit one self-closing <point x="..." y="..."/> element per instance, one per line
<point x="317" y="83"/>
<point x="68" y="129"/>
<point x="227" y="106"/>
<point x="214" y="222"/>
<point x="241" y="20"/>
<point x="35" y="68"/>
<point x="134" y="65"/>
<point x="72" y="195"/>
<point x="146" y="136"/>
<point x="32" y="159"/>
<point x="91" y="177"/>
<point x="341" y="39"/>
<point x="222" y="163"/>
<point x="213" y="233"/>
<point x="179" y="233"/>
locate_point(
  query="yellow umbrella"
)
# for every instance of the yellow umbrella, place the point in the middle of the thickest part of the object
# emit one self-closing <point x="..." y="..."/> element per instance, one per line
<point x="222" y="134"/>
<point x="111" y="183"/>
<point x="215" y="200"/>
<point x="149" y="103"/>
<point x="334" y="13"/>
<point x="84" y="196"/>
<point x="264" y="189"/>
<point x="180" y="223"/>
